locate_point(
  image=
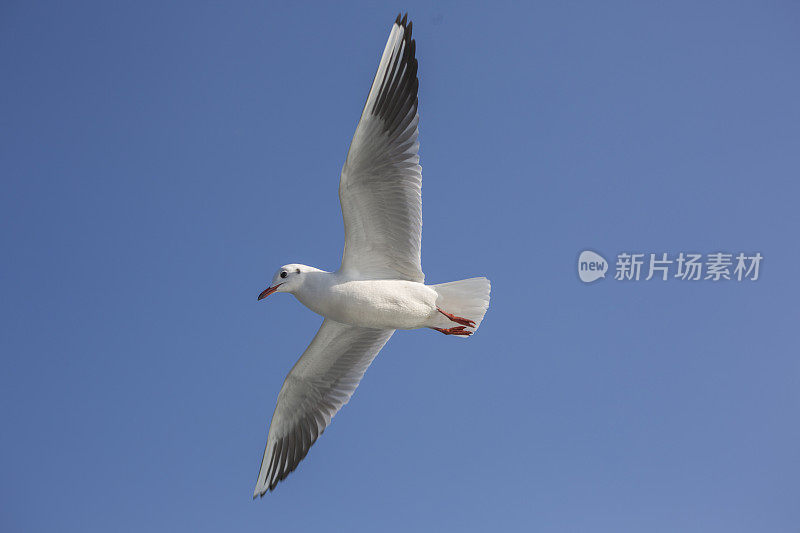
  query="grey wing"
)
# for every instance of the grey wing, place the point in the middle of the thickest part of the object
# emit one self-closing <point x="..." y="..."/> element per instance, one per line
<point x="321" y="382"/>
<point x="380" y="189"/>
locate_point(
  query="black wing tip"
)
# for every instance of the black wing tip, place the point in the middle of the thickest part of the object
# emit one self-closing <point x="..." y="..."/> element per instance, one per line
<point x="406" y="25"/>
<point x="278" y="472"/>
<point x="398" y="94"/>
<point x="403" y="21"/>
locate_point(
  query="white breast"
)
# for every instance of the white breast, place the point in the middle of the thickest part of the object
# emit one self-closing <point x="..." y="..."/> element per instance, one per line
<point x="391" y="304"/>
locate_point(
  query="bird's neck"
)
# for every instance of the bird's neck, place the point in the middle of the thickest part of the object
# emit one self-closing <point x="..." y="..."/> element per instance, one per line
<point x="315" y="280"/>
<point x="316" y="283"/>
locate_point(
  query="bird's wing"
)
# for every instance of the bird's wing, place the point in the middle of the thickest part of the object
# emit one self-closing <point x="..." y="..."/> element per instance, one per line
<point x="321" y="382"/>
<point x="381" y="184"/>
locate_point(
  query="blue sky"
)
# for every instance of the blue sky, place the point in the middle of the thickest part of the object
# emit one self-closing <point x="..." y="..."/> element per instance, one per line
<point x="159" y="162"/>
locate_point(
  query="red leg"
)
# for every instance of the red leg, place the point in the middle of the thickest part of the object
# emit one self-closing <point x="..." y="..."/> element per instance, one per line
<point x="458" y="319"/>
<point x="458" y="330"/>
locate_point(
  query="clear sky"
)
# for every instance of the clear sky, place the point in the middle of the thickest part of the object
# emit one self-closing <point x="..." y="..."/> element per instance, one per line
<point x="160" y="162"/>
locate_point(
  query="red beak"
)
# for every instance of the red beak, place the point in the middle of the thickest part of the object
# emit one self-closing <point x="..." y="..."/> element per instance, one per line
<point x="268" y="291"/>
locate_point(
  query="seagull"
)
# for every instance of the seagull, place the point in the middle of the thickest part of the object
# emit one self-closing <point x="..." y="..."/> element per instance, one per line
<point x="379" y="287"/>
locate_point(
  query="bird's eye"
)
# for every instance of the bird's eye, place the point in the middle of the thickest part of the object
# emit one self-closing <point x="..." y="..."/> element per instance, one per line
<point x="284" y="274"/>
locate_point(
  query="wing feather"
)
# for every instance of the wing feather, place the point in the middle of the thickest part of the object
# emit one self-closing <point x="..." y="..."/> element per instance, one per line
<point x="380" y="189"/>
<point x="321" y="382"/>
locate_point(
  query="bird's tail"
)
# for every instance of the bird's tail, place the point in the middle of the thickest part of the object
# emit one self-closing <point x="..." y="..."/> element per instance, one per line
<point x="468" y="298"/>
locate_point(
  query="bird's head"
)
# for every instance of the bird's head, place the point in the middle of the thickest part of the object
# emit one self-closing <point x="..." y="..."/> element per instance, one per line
<point x="288" y="278"/>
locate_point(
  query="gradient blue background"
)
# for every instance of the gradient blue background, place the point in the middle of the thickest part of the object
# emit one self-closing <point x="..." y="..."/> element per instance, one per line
<point x="160" y="162"/>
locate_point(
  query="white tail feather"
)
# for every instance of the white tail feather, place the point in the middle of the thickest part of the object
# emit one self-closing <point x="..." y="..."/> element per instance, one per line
<point x="468" y="298"/>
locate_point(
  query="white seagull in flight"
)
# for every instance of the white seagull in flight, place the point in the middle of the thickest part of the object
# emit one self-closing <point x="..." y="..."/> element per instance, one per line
<point x="380" y="286"/>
